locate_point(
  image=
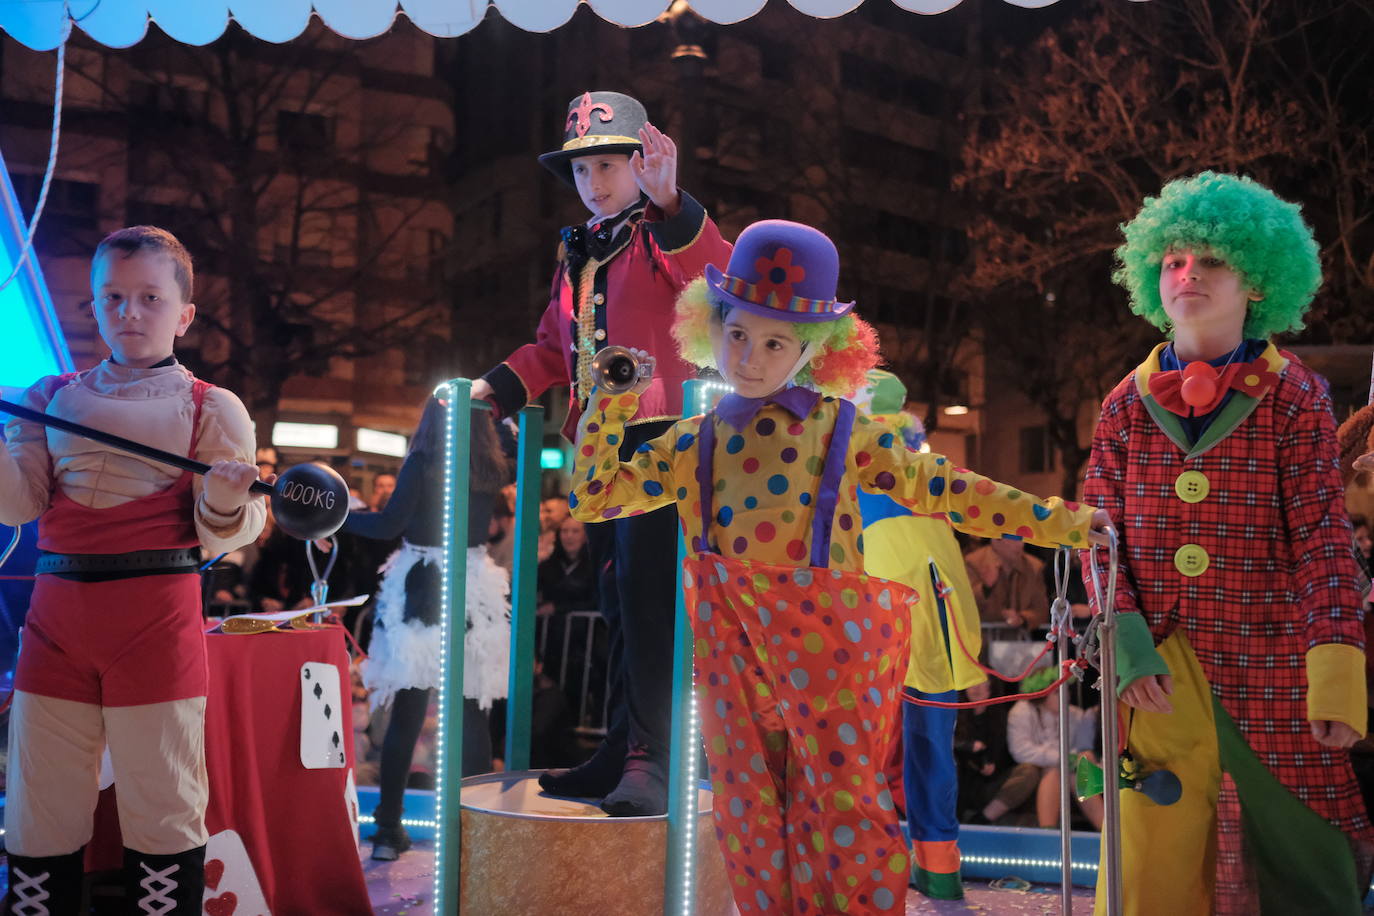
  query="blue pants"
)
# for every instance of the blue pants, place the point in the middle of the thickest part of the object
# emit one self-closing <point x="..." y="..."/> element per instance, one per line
<point x="931" y="785"/>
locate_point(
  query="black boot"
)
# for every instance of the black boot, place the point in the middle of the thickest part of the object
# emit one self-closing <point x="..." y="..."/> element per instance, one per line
<point x="45" y="886"/>
<point x="389" y="842"/>
<point x="592" y="779"/>
<point x="165" y="885"/>
<point x="642" y="791"/>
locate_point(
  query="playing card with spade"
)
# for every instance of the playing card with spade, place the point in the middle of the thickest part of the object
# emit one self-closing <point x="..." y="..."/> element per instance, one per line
<point x="322" y="717"/>
<point x="231" y="883"/>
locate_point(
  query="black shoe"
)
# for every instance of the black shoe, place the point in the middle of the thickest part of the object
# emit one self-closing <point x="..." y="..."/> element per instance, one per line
<point x="592" y="779"/>
<point x="642" y="792"/>
<point x="389" y="842"/>
<point x="171" y="885"/>
<point x="48" y="884"/>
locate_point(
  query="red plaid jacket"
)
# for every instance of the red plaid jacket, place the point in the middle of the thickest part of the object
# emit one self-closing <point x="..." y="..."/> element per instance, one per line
<point x="1241" y="540"/>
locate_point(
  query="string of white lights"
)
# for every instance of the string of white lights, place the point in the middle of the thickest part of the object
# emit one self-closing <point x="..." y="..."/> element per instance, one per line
<point x="447" y="390"/>
<point x="707" y="393"/>
<point x="405" y="822"/>
<point x="1024" y="862"/>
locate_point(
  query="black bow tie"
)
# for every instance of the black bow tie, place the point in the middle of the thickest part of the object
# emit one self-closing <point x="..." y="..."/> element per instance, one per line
<point x="596" y="241"/>
<point x="582" y="242"/>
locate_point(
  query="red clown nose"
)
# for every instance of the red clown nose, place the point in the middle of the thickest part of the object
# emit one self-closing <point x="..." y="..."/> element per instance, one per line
<point x="1199" y="386"/>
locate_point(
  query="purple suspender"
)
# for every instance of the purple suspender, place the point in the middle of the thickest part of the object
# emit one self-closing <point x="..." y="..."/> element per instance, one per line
<point x="827" y="496"/>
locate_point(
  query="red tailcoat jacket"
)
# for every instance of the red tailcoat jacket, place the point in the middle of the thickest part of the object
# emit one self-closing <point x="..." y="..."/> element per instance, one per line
<point x="623" y="297"/>
<point x="1242" y="541"/>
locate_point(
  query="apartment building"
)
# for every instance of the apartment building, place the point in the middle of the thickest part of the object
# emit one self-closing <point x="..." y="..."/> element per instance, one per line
<point x="306" y="179"/>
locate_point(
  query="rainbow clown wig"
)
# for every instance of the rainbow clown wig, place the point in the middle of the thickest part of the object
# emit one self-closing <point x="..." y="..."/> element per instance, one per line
<point x="1263" y="238"/>
<point x="787" y="271"/>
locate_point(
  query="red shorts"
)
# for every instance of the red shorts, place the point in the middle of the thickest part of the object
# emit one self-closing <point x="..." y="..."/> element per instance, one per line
<point x="127" y="642"/>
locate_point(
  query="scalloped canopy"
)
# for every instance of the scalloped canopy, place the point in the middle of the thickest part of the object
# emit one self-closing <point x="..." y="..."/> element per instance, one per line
<point x="121" y="23"/>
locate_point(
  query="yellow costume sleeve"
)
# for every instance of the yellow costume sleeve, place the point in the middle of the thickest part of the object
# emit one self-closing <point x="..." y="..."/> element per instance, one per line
<point x="604" y="487"/>
<point x="929" y="483"/>
<point x="903" y="549"/>
<point x="1335" y="685"/>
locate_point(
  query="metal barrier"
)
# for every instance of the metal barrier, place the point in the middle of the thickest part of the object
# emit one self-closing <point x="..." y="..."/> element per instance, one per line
<point x="595" y="624"/>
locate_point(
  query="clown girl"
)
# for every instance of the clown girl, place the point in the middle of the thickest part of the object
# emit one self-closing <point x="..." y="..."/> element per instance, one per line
<point x="1240" y="644"/>
<point x="799" y="656"/>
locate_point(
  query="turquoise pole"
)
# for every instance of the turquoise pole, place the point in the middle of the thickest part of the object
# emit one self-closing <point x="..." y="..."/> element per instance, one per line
<point x="679" y="875"/>
<point x="524" y="583"/>
<point x="453" y="628"/>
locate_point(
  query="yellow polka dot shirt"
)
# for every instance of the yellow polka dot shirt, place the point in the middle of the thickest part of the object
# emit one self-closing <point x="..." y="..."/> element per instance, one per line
<point x="767" y="475"/>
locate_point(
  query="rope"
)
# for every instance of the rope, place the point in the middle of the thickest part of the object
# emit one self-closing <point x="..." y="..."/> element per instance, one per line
<point x="1070" y="671"/>
<point x="52" y="156"/>
<point x="358" y="654"/>
<point x="1059" y="628"/>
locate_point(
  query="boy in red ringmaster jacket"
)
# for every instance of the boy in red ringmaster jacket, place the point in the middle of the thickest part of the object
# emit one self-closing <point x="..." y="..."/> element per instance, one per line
<point x="1241" y="646"/>
<point x="617" y="278"/>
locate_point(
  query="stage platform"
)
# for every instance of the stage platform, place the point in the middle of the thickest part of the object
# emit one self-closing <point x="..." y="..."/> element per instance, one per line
<point x="403" y="888"/>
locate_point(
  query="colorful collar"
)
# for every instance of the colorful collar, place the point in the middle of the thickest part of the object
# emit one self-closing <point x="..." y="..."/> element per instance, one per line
<point x="738" y="411"/>
<point x="1199" y="387"/>
<point x="1262" y="374"/>
<point x="1251" y="386"/>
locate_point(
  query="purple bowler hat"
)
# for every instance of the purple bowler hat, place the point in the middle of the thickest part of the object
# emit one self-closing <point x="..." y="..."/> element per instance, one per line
<point x="780" y="269"/>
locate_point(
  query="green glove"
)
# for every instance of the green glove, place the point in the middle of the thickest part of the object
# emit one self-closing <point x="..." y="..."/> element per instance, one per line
<point x="1136" y="656"/>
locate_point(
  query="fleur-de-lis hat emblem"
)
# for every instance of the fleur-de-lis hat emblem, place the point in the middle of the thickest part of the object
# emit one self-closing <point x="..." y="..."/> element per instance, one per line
<point x="597" y="122"/>
<point x="580" y="117"/>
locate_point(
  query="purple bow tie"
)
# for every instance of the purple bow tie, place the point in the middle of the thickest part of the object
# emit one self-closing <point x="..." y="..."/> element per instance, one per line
<point x="738" y="411"/>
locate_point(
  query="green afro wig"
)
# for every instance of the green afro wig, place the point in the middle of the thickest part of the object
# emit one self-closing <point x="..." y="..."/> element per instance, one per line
<point x="843" y="350"/>
<point x="1264" y="239"/>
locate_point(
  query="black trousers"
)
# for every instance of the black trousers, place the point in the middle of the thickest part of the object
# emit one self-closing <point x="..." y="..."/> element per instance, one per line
<point x="637" y="563"/>
<point x="398" y="749"/>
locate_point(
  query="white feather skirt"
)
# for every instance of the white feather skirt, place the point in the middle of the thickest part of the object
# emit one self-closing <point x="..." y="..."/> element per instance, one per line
<point x="405" y="653"/>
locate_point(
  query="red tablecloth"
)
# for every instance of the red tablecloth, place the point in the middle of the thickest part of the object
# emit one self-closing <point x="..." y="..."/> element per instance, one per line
<point x="297" y="824"/>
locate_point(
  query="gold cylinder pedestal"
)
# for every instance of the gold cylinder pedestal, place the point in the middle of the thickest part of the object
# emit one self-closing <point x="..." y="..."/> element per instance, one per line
<point x="528" y="854"/>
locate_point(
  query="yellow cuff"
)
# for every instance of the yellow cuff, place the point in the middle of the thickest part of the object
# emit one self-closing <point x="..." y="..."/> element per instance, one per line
<point x="1335" y="685"/>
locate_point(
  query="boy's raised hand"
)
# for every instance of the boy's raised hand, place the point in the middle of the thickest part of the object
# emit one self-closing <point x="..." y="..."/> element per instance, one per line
<point x="655" y="171"/>
<point x="226" y="485"/>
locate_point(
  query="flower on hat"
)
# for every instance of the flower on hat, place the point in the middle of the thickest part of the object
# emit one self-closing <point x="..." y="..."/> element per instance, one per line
<point x="777" y="274"/>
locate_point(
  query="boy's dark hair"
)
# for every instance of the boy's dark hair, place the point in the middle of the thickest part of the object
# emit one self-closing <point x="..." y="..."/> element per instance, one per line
<point x="133" y="239"/>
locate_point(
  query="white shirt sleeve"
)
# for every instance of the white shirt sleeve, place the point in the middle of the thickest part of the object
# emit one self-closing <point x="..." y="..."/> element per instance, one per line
<point x="25" y="465"/>
<point x="226" y="433"/>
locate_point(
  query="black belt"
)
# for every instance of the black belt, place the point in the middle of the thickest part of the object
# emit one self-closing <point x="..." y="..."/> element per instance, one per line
<point x="95" y="566"/>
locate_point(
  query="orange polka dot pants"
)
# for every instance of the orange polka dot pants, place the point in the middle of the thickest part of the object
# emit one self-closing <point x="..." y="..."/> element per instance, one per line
<point x="799" y="676"/>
